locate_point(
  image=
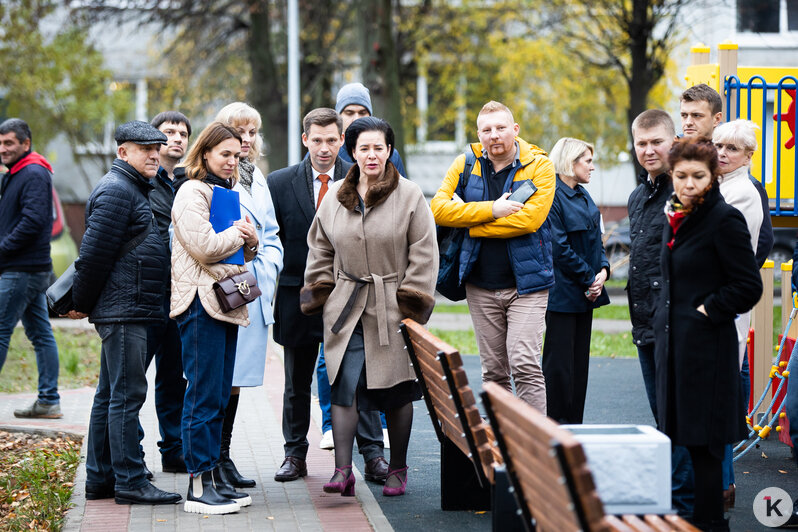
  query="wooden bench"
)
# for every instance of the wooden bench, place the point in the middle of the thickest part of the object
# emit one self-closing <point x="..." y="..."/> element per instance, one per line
<point x="549" y="473"/>
<point x="469" y="455"/>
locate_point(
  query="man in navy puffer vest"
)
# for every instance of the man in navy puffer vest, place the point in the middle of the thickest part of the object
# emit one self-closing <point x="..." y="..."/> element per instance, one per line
<point x="120" y="280"/>
<point x="26" y="223"/>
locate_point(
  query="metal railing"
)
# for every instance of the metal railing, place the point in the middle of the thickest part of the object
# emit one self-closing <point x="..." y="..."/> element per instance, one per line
<point x="786" y="87"/>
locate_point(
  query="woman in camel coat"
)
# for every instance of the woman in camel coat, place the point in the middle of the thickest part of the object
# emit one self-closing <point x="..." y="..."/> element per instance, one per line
<point x="373" y="261"/>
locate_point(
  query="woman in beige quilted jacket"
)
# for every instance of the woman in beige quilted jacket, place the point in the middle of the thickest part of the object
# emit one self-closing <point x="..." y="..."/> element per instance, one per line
<point x="208" y="335"/>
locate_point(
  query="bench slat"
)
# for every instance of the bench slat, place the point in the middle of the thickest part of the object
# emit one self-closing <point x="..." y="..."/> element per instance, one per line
<point x="636" y="523"/>
<point x="657" y="523"/>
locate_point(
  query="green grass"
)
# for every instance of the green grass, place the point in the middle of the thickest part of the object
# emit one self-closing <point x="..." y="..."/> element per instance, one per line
<point x="612" y="312"/>
<point x="78" y="353"/>
<point x="601" y="344"/>
<point x="464" y="341"/>
<point x="451" y="309"/>
<point x="36" y="481"/>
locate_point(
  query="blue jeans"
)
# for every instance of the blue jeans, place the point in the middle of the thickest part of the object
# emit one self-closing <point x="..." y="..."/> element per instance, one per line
<point x="323" y="385"/>
<point x="682" y="481"/>
<point x="209" y="354"/>
<point x="163" y="344"/>
<point x="113" y="446"/>
<point x="791" y="399"/>
<point x="645" y="354"/>
<point x="22" y="297"/>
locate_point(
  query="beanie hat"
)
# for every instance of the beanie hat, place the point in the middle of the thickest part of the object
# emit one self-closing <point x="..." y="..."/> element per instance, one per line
<point x="353" y="93"/>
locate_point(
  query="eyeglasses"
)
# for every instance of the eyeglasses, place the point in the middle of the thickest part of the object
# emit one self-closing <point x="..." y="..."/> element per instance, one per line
<point x="728" y="147"/>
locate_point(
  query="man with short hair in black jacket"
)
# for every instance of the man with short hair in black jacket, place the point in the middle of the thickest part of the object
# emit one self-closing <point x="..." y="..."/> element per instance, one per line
<point x="26" y="222"/>
<point x="120" y="278"/>
<point x="163" y="338"/>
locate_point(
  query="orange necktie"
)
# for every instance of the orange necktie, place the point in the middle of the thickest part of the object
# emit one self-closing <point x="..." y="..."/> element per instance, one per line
<point x="323" y="190"/>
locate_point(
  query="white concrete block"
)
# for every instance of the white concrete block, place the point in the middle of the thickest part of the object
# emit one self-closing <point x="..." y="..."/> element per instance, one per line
<point x="631" y="466"/>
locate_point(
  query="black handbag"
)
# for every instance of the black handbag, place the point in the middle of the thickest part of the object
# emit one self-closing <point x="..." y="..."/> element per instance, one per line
<point x="59" y="295"/>
<point x="450" y="241"/>
<point x="234" y="290"/>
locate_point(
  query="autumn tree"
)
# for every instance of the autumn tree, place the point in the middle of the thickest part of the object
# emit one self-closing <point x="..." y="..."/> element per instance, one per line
<point x="472" y="55"/>
<point x="225" y="51"/>
<point x="54" y="80"/>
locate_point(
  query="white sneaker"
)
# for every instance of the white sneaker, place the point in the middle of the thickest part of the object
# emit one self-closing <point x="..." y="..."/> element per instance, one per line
<point x="385" y="440"/>
<point x="327" y="441"/>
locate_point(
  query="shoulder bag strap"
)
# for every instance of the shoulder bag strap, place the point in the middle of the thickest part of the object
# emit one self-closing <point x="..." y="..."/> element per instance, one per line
<point x="131" y="244"/>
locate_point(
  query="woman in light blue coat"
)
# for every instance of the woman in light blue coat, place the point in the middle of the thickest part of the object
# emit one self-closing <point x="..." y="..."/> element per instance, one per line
<point x="256" y="204"/>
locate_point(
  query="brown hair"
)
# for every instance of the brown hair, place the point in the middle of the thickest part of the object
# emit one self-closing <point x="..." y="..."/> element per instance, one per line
<point x="696" y="149"/>
<point x="652" y="118"/>
<point x="213" y="134"/>
<point x="322" y="117"/>
<point x="703" y="93"/>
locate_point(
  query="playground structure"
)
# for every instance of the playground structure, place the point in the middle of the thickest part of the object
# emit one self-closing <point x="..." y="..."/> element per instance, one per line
<point x="766" y="96"/>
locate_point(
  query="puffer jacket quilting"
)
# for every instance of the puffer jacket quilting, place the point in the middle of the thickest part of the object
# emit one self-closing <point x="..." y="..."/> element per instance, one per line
<point x="646" y="209"/>
<point x="195" y="240"/>
<point x="114" y="289"/>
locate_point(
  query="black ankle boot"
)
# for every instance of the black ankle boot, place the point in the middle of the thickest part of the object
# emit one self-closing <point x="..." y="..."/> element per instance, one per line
<point x="204" y="498"/>
<point x="226" y="489"/>
<point x="231" y="473"/>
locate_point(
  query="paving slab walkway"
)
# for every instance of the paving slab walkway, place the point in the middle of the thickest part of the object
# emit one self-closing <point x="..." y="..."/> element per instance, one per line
<point x="257" y="448"/>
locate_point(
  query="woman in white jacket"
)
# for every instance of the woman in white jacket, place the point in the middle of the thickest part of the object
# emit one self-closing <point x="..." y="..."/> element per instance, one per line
<point x="736" y="143"/>
<point x="256" y="204"/>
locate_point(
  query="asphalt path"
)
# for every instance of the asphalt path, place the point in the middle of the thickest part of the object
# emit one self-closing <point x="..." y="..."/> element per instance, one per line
<point x="615" y="395"/>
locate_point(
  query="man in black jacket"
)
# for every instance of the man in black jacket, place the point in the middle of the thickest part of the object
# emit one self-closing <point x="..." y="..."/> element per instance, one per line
<point x="653" y="132"/>
<point x="296" y="192"/>
<point x="163" y="338"/>
<point x="120" y="278"/>
<point x="26" y="222"/>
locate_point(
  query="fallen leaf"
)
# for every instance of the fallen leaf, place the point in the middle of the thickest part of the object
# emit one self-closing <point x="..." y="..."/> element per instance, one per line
<point x="783" y="472"/>
<point x="161" y="520"/>
<point x="270" y="517"/>
<point x="764" y="455"/>
<point x="479" y="513"/>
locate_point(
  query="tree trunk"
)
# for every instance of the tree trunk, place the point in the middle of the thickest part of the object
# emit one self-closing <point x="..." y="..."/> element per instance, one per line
<point x="265" y="92"/>
<point x="380" y="63"/>
<point x="640" y="78"/>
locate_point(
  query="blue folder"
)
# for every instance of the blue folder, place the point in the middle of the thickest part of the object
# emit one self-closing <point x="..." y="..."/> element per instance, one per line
<point x="226" y="209"/>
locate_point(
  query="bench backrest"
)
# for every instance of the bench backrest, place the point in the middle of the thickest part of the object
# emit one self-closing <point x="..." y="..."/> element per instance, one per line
<point x="546" y="465"/>
<point x="450" y="400"/>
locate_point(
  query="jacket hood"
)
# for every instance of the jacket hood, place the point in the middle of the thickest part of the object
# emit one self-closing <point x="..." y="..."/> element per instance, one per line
<point x="526" y="151"/>
<point x="31" y="158"/>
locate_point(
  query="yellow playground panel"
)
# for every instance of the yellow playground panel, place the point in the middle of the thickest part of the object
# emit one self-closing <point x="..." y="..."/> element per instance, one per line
<point x="766" y="96"/>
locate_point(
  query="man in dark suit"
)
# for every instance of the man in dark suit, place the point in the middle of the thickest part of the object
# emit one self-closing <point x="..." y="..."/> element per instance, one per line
<point x="296" y="192"/>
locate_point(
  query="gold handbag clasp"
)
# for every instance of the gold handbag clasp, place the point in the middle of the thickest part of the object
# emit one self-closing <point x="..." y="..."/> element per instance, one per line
<point x="243" y="288"/>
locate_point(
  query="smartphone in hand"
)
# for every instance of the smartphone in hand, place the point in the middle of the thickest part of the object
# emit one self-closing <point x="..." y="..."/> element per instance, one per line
<point x="523" y="192"/>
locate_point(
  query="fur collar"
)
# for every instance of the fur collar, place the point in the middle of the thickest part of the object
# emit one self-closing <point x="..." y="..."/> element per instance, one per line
<point x="376" y="194"/>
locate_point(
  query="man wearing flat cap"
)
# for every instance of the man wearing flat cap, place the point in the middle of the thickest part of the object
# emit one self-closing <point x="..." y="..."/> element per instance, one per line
<point x="120" y="279"/>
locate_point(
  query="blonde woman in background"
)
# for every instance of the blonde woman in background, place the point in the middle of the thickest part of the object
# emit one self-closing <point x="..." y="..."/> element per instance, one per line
<point x="256" y="204"/>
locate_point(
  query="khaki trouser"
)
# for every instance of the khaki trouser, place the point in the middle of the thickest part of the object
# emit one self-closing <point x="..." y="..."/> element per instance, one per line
<point x="509" y="332"/>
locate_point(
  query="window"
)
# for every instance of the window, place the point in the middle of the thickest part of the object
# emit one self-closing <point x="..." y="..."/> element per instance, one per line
<point x="792" y="15"/>
<point x="759" y="16"/>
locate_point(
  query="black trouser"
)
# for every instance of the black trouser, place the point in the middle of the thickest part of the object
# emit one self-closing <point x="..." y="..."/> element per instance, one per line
<point x="300" y="363"/>
<point x="566" y="359"/>
<point x="163" y="344"/>
<point x="708" y="489"/>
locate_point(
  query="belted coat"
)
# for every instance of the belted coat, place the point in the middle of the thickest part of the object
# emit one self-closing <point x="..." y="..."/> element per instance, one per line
<point x="387" y="256"/>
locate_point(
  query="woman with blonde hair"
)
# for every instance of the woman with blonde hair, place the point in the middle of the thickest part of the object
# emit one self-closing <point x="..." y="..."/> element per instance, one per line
<point x="256" y="204"/>
<point x="580" y="270"/>
<point x="207" y="333"/>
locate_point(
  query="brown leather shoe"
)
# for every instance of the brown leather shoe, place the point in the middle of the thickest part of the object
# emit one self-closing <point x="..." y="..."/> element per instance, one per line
<point x="292" y="469"/>
<point x="376" y="470"/>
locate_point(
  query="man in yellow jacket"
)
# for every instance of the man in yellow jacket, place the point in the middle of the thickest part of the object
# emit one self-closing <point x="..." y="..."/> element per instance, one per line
<point x="505" y="259"/>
